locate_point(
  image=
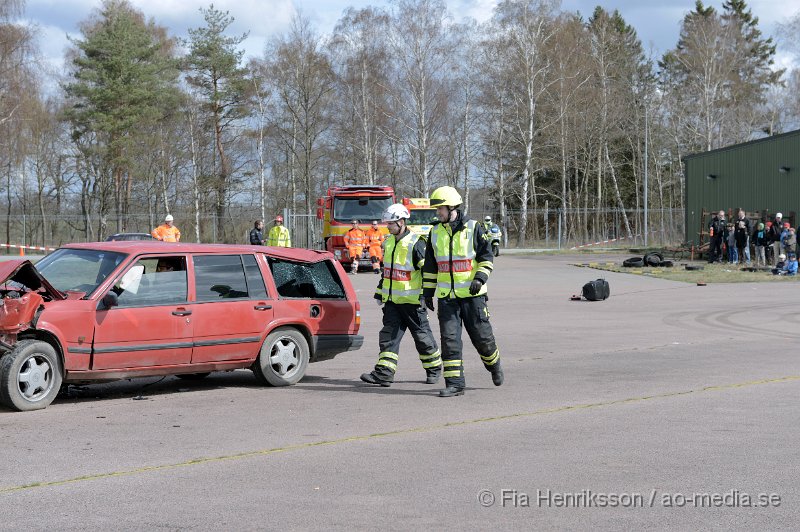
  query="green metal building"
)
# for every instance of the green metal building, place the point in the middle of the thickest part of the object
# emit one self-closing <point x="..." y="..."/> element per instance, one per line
<point x="759" y="176"/>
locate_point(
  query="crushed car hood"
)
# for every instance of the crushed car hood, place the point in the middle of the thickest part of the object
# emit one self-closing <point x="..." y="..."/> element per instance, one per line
<point x="24" y="272"/>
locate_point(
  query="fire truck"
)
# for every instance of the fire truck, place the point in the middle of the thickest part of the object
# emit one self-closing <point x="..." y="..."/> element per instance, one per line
<point x="341" y="205"/>
<point x="422" y="215"/>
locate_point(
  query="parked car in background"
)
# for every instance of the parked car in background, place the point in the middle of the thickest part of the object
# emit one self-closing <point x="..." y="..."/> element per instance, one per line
<point x="129" y="236"/>
<point x="95" y="312"/>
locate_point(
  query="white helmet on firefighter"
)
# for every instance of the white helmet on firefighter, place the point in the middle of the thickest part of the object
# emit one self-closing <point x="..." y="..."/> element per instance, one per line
<point x="396" y="212"/>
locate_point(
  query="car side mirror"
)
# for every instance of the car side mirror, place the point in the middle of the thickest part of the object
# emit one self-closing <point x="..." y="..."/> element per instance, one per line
<point x="109" y="300"/>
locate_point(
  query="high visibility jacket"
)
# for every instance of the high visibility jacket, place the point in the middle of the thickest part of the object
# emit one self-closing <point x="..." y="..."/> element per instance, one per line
<point x="374" y="237"/>
<point x="401" y="282"/>
<point x="166" y="233"/>
<point x="457" y="253"/>
<point x="355" y="238"/>
<point x="279" y="236"/>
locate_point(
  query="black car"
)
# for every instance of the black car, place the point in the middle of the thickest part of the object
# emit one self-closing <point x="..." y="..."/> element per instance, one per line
<point x="129" y="236"/>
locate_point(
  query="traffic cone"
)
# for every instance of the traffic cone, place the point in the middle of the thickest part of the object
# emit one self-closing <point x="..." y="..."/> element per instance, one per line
<point x="21" y="251"/>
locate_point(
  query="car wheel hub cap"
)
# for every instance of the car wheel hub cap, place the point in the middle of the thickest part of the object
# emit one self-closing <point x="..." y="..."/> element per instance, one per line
<point x="284" y="357"/>
<point x="34" y="378"/>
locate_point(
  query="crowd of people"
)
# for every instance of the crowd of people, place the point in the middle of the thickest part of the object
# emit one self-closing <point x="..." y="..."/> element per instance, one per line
<point x="773" y="242"/>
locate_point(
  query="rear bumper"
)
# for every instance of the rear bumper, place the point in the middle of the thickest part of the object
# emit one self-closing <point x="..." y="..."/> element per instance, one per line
<point x="327" y="346"/>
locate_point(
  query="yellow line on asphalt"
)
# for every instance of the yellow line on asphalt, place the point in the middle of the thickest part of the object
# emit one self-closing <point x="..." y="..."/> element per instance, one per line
<point x="265" y="452"/>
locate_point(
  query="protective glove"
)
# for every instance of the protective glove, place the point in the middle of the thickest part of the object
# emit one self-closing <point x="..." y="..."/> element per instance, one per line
<point x="379" y="302"/>
<point x="429" y="303"/>
<point x="475" y="287"/>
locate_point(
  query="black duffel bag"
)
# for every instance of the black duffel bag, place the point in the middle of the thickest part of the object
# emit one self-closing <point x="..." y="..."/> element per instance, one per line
<point x="596" y="290"/>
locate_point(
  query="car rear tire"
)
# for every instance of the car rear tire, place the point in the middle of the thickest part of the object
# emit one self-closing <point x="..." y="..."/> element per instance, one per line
<point x="193" y="376"/>
<point x="283" y="359"/>
<point x="30" y="376"/>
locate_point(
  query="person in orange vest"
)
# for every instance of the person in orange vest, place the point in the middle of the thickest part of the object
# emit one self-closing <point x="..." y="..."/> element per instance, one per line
<point x="375" y="239"/>
<point x="354" y="241"/>
<point x="167" y="232"/>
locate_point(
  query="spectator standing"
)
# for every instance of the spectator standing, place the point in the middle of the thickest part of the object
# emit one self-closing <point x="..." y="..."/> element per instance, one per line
<point x="742" y="228"/>
<point x="769" y="252"/>
<point x="760" y="244"/>
<point x="729" y="234"/>
<point x="790" y="242"/>
<point x="715" y="230"/>
<point x="774" y="235"/>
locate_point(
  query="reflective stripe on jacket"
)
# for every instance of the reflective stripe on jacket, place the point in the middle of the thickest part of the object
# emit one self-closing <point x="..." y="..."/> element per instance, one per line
<point x="402" y="279"/>
<point x="354" y="238"/>
<point x="460" y="254"/>
<point x="374" y="237"/>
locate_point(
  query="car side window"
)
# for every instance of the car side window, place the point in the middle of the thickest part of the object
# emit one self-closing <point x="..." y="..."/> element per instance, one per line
<point x="255" y="282"/>
<point x="316" y="280"/>
<point x="218" y="277"/>
<point x="153" y="281"/>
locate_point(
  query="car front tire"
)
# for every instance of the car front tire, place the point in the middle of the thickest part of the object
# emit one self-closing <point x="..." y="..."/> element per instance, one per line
<point x="30" y="376"/>
<point x="283" y="359"/>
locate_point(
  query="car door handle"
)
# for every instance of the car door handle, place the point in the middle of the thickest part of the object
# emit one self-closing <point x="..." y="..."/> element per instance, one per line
<point x="262" y="307"/>
<point x="181" y="312"/>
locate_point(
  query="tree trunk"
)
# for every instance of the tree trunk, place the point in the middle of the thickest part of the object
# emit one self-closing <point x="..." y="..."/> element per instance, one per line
<point x="617" y="194"/>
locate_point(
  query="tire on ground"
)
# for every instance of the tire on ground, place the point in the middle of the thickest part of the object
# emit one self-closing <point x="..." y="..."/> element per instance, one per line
<point x="653" y="259"/>
<point x="30" y="376"/>
<point x="633" y="262"/>
<point x="283" y="359"/>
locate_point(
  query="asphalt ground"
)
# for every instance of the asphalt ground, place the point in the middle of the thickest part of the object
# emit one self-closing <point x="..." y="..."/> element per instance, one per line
<point x="665" y="407"/>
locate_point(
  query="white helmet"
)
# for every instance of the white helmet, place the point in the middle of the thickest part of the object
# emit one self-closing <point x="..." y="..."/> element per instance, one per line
<point x="778" y="215"/>
<point x="396" y="212"/>
<point x="487" y="218"/>
<point x="168" y="218"/>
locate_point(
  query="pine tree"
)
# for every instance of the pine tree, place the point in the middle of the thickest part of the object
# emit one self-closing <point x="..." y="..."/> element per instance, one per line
<point x="124" y="80"/>
<point x="215" y="71"/>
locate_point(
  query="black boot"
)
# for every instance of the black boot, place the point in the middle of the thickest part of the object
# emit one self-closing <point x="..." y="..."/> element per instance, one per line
<point x="451" y="391"/>
<point x="433" y="376"/>
<point x="372" y="379"/>
<point x="497" y="375"/>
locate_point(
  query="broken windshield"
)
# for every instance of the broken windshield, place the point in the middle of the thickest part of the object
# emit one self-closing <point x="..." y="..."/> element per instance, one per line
<point x="364" y="209"/>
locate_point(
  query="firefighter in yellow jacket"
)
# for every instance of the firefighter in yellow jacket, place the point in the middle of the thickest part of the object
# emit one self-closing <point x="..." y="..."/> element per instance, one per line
<point x="279" y="234"/>
<point x="399" y="292"/>
<point x="458" y="261"/>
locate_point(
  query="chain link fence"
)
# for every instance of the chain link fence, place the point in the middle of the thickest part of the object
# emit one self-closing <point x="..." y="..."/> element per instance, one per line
<point x="545" y="228"/>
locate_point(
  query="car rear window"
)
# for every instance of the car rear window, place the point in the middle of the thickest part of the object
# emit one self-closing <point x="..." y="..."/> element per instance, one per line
<point x="317" y="280"/>
<point x="220" y="277"/>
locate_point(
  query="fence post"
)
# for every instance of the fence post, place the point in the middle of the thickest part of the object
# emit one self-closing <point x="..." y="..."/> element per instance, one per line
<point x="560" y="213"/>
<point x="546" y="226"/>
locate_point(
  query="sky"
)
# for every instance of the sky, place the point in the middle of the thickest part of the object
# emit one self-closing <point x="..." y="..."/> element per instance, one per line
<point x="657" y="22"/>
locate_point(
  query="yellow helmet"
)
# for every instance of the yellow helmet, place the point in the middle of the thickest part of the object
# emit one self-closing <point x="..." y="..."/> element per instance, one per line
<point x="446" y="196"/>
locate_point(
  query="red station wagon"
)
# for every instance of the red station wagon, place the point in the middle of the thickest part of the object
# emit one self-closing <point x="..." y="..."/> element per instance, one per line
<point x="100" y="312"/>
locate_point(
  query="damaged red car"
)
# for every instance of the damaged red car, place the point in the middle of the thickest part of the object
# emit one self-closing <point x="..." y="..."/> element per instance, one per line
<point x="100" y="312"/>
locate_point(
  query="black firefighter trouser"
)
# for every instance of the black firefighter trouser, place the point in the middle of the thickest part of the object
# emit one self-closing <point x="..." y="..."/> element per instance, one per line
<point x="396" y="319"/>
<point x="474" y="314"/>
